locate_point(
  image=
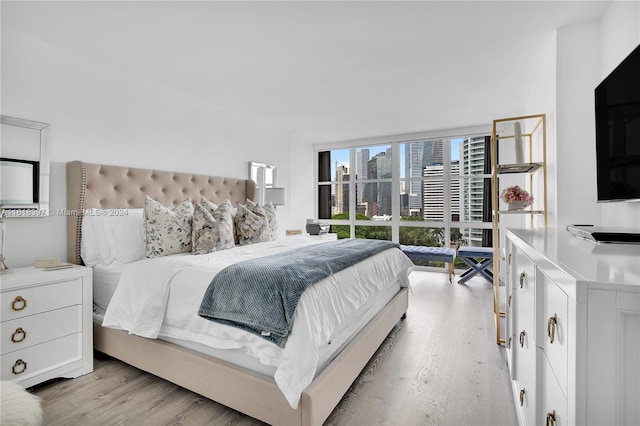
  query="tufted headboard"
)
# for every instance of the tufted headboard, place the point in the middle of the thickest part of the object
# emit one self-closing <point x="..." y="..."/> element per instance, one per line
<point x="115" y="187"/>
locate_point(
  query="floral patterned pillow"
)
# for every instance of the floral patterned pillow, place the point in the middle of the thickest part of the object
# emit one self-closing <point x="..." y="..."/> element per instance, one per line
<point x="167" y="229"/>
<point x="250" y="227"/>
<point x="267" y="211"/>
<point x="211" y="230"/>
<point x="210" y="206"/>
<point x="273" y="219"/>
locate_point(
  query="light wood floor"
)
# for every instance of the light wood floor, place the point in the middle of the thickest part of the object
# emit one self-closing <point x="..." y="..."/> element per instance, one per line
<point x="440" y="366"/>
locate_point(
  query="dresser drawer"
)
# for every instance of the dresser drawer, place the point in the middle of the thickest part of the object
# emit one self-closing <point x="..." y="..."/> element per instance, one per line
<point x="524" y="392"/>
<point x="553" y="407"/>
<point x="38" y="359"/>
<point x="552" y="329"/>
<point x="35" y="329"/>
<point x="523" y="297"/>
<point x="35" y="299"/>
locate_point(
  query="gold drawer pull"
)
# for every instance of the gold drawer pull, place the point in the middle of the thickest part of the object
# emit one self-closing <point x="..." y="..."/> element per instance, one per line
<point x="551" y="327"/>
<point x="18" y="333"/>
<point x="522" y="275"/>
<point x="19" y="303"/>
<point x="19" y="367"/>
<point x="522" y="334"/>
<point x="551" y="418"/>
<point x="522" y="392"/>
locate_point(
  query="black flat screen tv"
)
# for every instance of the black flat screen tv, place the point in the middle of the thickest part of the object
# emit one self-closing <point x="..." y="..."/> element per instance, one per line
<point x="617" y="101"/>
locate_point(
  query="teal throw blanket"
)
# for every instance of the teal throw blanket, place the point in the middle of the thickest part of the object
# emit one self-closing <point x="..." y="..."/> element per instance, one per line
<point x="261" y="295"/>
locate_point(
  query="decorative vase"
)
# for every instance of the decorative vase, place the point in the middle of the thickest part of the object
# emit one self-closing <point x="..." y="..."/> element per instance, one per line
<point x="516" y="205"/>
<point x="519" y="145"/>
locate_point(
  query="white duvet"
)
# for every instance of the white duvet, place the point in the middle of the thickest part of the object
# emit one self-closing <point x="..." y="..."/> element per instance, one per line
<point x="160" y="297"/>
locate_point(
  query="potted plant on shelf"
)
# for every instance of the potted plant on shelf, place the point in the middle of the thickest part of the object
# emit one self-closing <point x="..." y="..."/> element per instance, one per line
<point x="516" y="198"/>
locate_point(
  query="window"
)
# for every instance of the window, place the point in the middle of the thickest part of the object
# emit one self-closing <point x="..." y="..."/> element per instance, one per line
<point x="431" y="191"/>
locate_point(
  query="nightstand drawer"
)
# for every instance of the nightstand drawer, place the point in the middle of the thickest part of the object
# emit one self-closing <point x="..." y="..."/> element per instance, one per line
<point x="35" y="329"/>
<point x="38" y="359"/>
<point x="41" y="298"/>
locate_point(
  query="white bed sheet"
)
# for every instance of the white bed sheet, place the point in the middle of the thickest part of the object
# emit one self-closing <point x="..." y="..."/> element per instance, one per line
<point x="105" y="282"/>
<point x="160" y="297"/>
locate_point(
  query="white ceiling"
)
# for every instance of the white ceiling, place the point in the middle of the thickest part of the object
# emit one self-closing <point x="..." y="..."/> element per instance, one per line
<point x="321" y="71"/>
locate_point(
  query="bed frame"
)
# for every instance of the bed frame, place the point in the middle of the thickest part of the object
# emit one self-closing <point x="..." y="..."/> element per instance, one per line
<point x="116" y="187"/>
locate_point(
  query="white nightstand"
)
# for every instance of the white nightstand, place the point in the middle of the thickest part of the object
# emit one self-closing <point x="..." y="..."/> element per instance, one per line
<point x="327" y="237"/>
<point x="47" y="328"/>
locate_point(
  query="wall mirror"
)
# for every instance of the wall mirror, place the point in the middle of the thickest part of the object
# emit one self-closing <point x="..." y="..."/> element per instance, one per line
<point x="24" y="168"/>
<point x="264" y="175"/>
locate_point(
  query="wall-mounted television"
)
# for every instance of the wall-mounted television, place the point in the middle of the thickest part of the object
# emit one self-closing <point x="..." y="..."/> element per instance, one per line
<point x="617" y="101"/>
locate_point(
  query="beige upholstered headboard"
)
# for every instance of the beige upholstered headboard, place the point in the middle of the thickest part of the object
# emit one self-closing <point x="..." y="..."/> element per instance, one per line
<point x="116" y="187"/>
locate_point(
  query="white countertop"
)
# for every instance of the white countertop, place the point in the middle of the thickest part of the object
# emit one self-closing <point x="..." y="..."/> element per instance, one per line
<point x="587" y="261"/>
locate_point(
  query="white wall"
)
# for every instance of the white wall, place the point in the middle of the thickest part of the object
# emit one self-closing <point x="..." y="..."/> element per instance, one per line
<point x="101" y="115"/>
<point x="577" y="75"/>
<point x="585" y="55"/>
<point x="541" y="98"/>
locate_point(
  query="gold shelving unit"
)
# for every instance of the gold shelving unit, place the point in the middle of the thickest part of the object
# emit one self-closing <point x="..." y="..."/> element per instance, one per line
<point x="532" y="133"/>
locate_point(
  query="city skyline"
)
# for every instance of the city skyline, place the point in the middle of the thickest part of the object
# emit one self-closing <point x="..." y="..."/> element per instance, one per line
<point x="418" y="198"/>
<point x="340" y="157"/>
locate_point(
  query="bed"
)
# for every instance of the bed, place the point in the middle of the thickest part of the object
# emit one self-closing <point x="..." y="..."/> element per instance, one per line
<point x="234" y="384"/>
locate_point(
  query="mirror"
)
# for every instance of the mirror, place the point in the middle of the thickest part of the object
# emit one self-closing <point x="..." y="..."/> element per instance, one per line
<point x="24" y="168"/>
<point x="264" y="175"/>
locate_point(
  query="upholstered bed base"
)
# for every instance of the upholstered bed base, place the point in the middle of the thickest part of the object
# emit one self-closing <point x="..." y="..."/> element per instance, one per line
<point x="100" y="186"/>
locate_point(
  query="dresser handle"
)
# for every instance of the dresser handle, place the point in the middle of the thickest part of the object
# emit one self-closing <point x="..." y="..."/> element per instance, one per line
<point x="509" y="343"/>
<point x="509" y="302"/>
<point x="522" y="275"/>
<point x="551" y="327"/>
<point x="18" y="333"/>
<point x="509" y="261"/>
<point x="18" y="300"/>
<point x="19" y="363"/>
<point x="522" y="334"/>
<point x="551" y="418"/>
<point x="522" y="392"/>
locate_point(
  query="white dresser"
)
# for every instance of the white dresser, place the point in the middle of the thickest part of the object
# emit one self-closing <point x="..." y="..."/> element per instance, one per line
<point x="46" y="324"/>
<point x="572" y="328"/>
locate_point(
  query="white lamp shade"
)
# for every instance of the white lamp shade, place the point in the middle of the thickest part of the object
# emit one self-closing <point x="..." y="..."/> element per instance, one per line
<point x="16" y="183"/>
<point x="275" y="196"/>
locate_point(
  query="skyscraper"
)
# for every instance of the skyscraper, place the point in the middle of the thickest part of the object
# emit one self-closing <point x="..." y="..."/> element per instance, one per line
<point x="434" y="193"/>
<point x="378" y="194"/>
<point x="362" y="162"/>
<point x="419" y="155"/>
<point x="342" y="189"/>
<point x="472" y="163"/>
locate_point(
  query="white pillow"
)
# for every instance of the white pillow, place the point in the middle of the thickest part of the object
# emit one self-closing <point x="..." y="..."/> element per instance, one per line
<point x="89" y="250"/>
<point x="112" y="235"/>
<point x="125" y="235"/>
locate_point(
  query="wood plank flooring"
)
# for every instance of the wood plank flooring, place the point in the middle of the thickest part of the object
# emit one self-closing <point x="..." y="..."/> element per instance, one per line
<point x="440" y="366"/>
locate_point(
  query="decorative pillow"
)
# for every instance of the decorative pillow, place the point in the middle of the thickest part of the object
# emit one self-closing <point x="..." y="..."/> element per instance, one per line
<point x="267" y="211"/>
<point x="167" y="230"/>
<point x="250" y="227"/>
<point x="273" y="219"/>
<point x="211" y="230"/>
<point x="228" y="207"/>
<point x="211" y="207"/>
